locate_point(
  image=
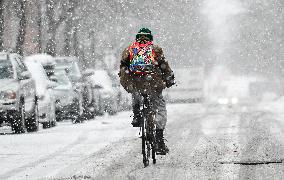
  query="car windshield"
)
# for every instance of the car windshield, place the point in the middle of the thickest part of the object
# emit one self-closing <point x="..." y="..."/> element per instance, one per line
<point x="71" y="67"/>
<point x="6" y="70"/>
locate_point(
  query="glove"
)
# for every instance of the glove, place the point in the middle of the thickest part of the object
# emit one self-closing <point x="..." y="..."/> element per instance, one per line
<point x="170" y="80"/>
<point x="170" y="83"/>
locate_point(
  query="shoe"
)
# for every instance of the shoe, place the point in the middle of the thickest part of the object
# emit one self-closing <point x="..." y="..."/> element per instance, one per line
<point x="162" y="149"/>
<point x="137" y="120"/>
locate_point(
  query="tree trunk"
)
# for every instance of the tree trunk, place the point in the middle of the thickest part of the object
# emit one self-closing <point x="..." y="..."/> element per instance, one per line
<point x="67" y="38"/>
<point x="1" y="24"/>
<point x="70" y="27"/>
<point x="50" y="46"/>
<point x="76" y="43"/>
<point x="22" y="30"/>
<point x="39" y="25"/>
<point x="53" y="24"/>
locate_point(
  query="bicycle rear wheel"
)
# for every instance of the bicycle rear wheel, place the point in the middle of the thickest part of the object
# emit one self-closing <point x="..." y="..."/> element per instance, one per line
<point x="152" y="136"/>
<point x="153" y="144"/>
<point x="148" y="132"/>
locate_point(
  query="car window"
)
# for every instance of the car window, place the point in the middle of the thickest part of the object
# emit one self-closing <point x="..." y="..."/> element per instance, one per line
<point x="16" y="66"/>
<point x="72" y="67"/>
<point x="21" y="64"/>
<point x="6" y="70"/>
<point x="75" y="70"/>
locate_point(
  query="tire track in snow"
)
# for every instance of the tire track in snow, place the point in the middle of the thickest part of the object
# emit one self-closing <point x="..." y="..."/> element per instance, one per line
<point x="123" y="154"/>
<point x="82" y="137"/>
<point x="113" y="163"/>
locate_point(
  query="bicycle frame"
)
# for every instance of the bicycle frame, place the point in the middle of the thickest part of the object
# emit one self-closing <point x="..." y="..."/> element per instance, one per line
<point x="148" y="131"/>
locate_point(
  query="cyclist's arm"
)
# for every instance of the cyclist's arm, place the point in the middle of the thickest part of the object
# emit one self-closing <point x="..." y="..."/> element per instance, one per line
<point x="167" y="72"/>
<point x="124" y="63"/>
<point x="125" y="80"/>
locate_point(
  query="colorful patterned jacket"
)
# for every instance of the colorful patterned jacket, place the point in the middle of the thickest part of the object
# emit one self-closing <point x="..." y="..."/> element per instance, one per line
<point x="161" y="77"/>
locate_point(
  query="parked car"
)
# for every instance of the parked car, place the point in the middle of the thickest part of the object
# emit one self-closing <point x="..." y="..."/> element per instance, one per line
<point x="78" y="79"/>
<point x="18" y="104"/>
<point x="47" y="61"/>
<point x="124" y="99"/>
<point x="68" y="100"/>
<point x="44" y="92"/>
<point x="97" y="101"/>
<point x="104" y="90"/>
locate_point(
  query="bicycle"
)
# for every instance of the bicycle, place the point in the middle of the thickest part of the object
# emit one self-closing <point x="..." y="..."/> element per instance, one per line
<point x="148" y="129"/>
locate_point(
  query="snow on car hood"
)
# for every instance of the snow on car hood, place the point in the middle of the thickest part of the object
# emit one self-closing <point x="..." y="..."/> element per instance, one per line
<point x="8" y="84"/>
<point x="44" y="59"/>
<point x="38" y="74"/>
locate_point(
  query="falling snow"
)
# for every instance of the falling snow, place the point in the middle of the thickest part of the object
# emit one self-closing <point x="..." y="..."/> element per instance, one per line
<point x="64" y="114"/>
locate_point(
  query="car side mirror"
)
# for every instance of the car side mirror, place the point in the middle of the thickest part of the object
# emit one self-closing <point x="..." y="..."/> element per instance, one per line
<point x="51" y="84"/>
<point x="67" y="70"/>
<point x="53" y="78"/>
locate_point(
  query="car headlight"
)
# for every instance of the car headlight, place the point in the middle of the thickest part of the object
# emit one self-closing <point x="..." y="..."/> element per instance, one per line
<point x="223" y="101"/>
<point x="235" y="100"/>
<point x="10" y="94"/>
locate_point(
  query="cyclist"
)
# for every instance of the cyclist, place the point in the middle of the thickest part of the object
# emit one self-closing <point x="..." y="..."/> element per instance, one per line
<point x="144" y="70"/>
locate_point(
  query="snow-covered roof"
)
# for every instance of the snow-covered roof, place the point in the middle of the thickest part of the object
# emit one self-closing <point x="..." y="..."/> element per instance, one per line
<point x="3" y="56"/>
<point x="44" y="59"/>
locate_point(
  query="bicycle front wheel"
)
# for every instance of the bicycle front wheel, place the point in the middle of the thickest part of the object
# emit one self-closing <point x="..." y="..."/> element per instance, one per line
<point x="145" y="151"/>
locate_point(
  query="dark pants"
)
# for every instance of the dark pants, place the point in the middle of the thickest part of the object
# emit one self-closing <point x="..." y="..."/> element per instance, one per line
<point x="158" y="105"/>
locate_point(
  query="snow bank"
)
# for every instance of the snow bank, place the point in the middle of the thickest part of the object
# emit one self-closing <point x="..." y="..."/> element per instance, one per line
<point x="272" y="105"/>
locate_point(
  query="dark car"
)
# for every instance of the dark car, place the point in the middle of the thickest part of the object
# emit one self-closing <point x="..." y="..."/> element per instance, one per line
<point x="18" y="101"/>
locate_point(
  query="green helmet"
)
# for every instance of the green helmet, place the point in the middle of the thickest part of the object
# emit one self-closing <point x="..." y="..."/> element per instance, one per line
<point x="145" y="31"/>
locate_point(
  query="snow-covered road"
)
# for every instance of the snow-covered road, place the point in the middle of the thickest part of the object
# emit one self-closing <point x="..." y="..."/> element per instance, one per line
<point x="205" y="143"/>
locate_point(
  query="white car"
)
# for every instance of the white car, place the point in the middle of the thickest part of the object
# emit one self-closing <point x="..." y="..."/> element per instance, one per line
<point x="69" y="103"/>
<point x="124" y="98"/>
<point x="18" y="105"/>
<point x="47" y="62"/>
<point x="44" y="92"/>
<point x="77" y="77"/>
<point x="105" y="91"/>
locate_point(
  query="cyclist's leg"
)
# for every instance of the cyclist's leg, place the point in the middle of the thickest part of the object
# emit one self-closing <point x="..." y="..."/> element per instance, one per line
<point x="159" y="105"/>
<point x="136" y="105"/>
